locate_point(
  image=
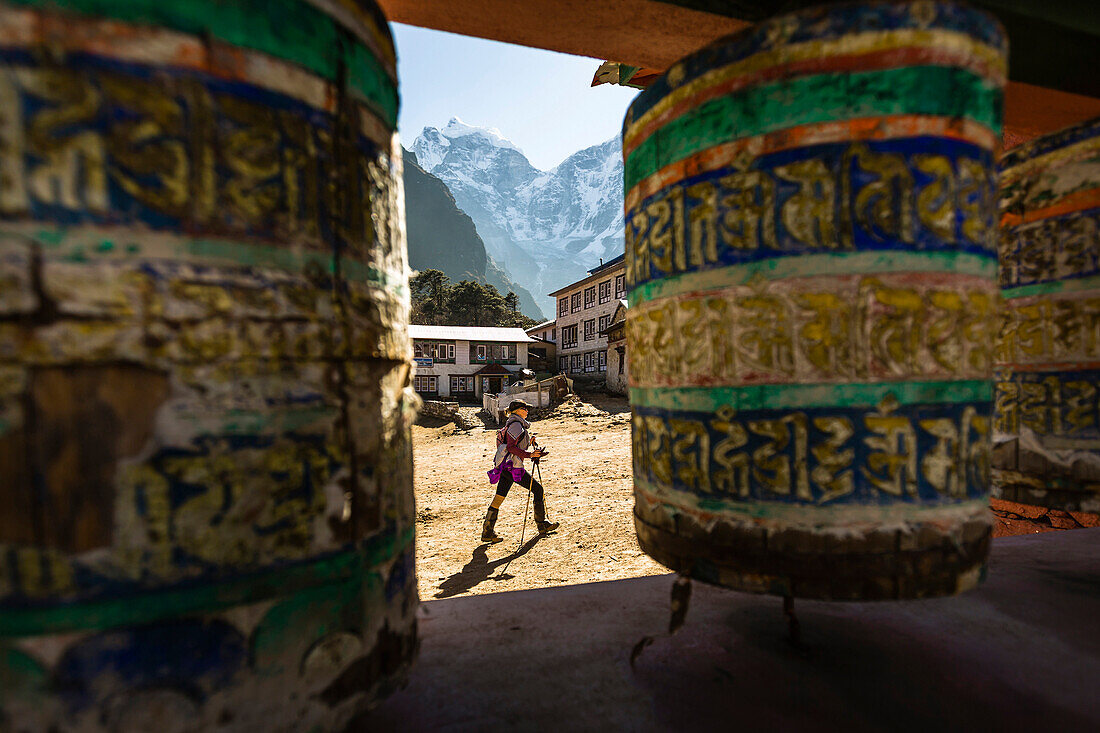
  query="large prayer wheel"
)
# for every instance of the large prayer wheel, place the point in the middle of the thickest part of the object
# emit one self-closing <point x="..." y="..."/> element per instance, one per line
<point x="811" y="263"/>
<point x="205" y="467"/>
<point x="1047" y="424"/>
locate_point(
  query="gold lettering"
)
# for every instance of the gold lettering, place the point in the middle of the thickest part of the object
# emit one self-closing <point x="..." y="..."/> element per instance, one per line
<point x="693" y="469"/>
<point x="766" y="341"/>
<point x="936" y="201"/>
<point x="749" y="220"/>
<point x="639" y="445"/>
<point x="895" y="315"/>
<point x="251" y="152"/>
<point x="892" y="464"/>
<point x="73" y="174"/>
<point x="832" y="473"/>
<point x="941" y="465"/>
<point x="773" y="468"/>
<point x="660" y="238"/>
<point x="641" y="247"/>
<point x="659" y="454"/>
<point x="808" y="214"/>
<point x="1081" y="414"/>
<point x="826" y="336"/>
<point x="147" y="149"/>
<point x="979" y="323"/>
<point x="883" y="207"/>
<point x="734" y="478"/>
<point x="976" y="203"/>
<point x="944" y="329"/>
<point x="13" y="179"/>
<point x="703" y="219"/>
<point x="1032" y="334"/>
<point x="1006" y="404"/>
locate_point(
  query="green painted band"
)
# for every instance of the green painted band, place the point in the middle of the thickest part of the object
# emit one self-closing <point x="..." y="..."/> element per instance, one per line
<point x="823" y="516"/>
<point x="75" y="248"/>
<point x="291" y="30"/>
<point x="914" y="90"/>
<point x="1051" y="288"/>
<point x="826" y="264"/>
<point x="797" y="396"/>
<point x="157" y="605"/>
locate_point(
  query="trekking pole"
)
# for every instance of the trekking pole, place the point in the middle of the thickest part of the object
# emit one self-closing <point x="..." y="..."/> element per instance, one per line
<point x="526" y="509"/>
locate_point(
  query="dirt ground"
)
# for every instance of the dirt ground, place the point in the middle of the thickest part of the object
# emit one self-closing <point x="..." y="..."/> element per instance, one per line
<point x="588" y="489"/>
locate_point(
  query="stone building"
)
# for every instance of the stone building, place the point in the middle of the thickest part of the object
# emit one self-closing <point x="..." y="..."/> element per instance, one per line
<point x="617" y="371"/>
<point x="584" y="309"/>
<point x="465" y="362"/>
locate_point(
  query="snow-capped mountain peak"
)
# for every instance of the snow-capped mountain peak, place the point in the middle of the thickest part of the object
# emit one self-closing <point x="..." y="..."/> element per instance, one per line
<point x="546" y="228"/>
<point x="457" y="128"/>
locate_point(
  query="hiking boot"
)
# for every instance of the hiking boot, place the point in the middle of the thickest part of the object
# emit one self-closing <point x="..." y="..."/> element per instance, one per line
<point x="487" y="532"/>
<point x="547" y="527"/>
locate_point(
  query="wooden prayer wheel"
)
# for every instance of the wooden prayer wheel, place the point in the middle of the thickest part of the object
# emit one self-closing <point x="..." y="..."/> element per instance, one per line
<point x="811" y="264"/>
<point x="1047" y="426"/>
<point x="205" y="464"/>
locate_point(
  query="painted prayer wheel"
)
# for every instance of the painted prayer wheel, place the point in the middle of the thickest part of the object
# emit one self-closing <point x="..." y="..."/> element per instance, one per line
<point x="205" y="467"/>
<point x="811" y="263"/>
<point x="1047" y="425"/>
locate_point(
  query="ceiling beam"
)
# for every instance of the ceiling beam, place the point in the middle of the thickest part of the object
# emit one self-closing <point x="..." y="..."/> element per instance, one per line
<point x="1053" y="67"/>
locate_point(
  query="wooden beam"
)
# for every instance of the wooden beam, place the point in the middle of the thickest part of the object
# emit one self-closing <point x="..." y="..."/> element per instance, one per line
<point x="637" y="32"/>
<point x="656" y="33"/>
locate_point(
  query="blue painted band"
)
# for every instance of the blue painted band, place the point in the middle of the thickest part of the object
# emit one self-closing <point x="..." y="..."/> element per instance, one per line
<point x="921" y="454"/>
<point x="751" y="211"/>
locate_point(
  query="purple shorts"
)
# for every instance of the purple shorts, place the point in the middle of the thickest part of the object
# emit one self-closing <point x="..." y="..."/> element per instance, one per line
<point x="496" y="473"/>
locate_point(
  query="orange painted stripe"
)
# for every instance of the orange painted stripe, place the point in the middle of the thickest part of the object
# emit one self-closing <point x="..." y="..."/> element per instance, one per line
<point x="868" y="128"/>
<point x="873" y="61"/>
<point x="1076" y="201"/>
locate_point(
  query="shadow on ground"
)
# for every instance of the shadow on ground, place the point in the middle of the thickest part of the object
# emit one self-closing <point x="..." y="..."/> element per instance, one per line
<point x="479" y="569"/>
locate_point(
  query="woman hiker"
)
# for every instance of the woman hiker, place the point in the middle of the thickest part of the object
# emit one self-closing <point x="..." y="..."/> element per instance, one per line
<point x="513" y="440"/>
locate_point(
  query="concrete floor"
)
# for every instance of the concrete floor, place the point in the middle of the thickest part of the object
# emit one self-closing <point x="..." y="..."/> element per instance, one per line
<point x="1020" y="653"/>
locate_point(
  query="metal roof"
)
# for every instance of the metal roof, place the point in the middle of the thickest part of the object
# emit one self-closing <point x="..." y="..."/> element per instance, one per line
<point x="470" y="333"/>
<point x="544" y="324"/>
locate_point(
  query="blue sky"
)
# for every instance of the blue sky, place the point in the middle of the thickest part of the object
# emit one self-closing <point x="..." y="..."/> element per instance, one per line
<point x="540" y="100"/>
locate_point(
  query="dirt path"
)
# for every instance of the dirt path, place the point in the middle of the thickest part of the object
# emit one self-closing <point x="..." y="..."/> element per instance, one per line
<point x="587" y="479"/>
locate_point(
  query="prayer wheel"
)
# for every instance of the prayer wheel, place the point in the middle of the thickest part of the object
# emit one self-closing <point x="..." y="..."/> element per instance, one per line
<point x="205" y="464"/>
<point x="1046" y="425"/>
<point x="811" y="263"/>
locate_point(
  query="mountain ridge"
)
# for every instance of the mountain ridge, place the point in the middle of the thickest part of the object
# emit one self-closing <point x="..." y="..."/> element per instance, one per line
<point x="544" y="228"/>
<point x="443" y="237"/>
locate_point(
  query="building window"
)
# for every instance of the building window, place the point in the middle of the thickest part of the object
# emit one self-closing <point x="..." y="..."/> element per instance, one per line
<point x="425" y="384"/>
<point x="563" y="306"/>
<point x="575" y="363"/>
<point x="622" y="358"/>
<point x="590" y="297"/>
<point x="605" y="321"/>
<point x="563" y="364"/>
<point x="603" y="360"/>
<point x="481" y="352"/>
<point x="620" y="287"/>
<point x="605" y="291"/>
<point x="440" y="351"/>
<point x="575" y="302"/>
<point x="590" y="329"/>
<point x="569" y="337"/>
<point x="553" y="334"/>
<point x="462" y="384"/>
